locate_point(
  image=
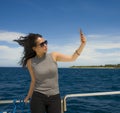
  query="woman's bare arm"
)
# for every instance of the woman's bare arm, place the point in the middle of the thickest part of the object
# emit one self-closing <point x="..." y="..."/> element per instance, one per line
<point x="32" y="84"/>
<point x="68" y="58"/>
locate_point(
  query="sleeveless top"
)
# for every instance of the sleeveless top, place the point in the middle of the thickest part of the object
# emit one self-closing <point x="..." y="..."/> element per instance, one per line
<point x="46" y="74"/>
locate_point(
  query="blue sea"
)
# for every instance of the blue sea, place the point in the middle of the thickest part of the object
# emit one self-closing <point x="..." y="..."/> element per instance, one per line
<point x="14" y="84"/>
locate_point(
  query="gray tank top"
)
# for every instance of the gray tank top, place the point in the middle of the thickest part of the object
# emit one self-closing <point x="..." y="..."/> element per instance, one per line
<point x="46" y="74"/>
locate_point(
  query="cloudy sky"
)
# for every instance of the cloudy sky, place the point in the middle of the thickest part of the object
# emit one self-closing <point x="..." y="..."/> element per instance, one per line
<point x="59" y="22"/>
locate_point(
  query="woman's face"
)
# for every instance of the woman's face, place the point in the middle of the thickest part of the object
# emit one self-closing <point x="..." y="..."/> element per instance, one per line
<point x="41" y="45"/>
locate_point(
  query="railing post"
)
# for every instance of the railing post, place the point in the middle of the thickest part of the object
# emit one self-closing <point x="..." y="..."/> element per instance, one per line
<point x="62" y="106"/>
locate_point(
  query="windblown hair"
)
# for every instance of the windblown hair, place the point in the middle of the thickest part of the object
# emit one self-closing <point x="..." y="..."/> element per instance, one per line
<point x="28" y="42"/>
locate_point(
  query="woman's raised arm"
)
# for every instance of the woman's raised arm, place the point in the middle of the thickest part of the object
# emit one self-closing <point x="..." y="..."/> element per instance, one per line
<point x="68" y="58"/>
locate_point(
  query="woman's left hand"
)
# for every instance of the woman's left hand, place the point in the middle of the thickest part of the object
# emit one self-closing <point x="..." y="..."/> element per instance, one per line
<point x="82" y="37"/>
<point x="26" y="99"/>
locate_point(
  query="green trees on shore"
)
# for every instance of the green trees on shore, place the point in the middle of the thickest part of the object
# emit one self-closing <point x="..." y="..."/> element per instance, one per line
<point x="99" y="66"/>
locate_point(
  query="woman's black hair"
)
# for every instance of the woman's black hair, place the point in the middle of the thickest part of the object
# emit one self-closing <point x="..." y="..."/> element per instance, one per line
<point x="28" y="42"/>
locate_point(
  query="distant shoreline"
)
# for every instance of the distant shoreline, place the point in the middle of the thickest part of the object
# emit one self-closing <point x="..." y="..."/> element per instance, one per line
<point x="107" y="66"/>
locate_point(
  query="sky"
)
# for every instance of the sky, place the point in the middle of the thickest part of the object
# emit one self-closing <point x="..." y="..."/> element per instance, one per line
<point x="59" y="22"/>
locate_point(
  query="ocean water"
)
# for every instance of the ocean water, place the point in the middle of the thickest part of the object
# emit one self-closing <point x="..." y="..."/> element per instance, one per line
<point x="14" y="84"/>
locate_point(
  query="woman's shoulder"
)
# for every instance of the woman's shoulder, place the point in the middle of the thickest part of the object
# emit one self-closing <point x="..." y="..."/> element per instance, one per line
<point x="28" y="63"/>
<point x="53" y="55"/>
<point x="30" y="60"/>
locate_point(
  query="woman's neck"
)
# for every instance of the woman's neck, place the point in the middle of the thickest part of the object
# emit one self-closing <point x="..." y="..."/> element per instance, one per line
<point x="40" y="55"/>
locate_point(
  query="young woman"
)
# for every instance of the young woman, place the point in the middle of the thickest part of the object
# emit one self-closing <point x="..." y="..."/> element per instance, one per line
<point x="42" y="66"/>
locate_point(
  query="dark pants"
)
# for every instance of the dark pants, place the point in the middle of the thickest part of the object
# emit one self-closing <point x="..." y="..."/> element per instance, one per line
<point x="41" y="103"/>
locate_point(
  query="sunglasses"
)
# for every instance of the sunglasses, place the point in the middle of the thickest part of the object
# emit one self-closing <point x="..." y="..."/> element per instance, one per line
<point x="43" y="43"/>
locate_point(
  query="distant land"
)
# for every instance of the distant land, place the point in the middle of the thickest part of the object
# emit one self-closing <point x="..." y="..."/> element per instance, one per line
<point x="99" y="66"/>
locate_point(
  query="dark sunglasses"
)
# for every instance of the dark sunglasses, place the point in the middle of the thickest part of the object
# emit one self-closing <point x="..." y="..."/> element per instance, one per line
<point x="43" y="43"/>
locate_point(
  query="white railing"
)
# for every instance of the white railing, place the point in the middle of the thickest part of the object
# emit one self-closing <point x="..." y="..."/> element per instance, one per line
<point x="11" y="101"/>
<point x="64" y="107"/>
<point x="63" y="101"/>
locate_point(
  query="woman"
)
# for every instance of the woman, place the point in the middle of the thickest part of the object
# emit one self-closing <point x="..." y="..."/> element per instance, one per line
<point x="44" y="89"/>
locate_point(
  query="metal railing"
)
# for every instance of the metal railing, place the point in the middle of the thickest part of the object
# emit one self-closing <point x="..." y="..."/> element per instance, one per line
<point x="10" y="101"/>
<point x="63" y="101"/>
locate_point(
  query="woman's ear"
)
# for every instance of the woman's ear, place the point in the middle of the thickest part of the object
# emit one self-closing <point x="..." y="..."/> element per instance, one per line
<point x="33" y="48"/>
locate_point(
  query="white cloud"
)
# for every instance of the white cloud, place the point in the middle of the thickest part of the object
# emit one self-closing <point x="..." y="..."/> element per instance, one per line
<point x="9" y="36"/>
<point x="104" y="38"/>
<point x="91" y="55"/>
<point x="10" y="56"/>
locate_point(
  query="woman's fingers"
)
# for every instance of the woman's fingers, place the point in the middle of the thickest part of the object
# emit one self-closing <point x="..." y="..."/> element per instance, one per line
<point x="83" y="38"/>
